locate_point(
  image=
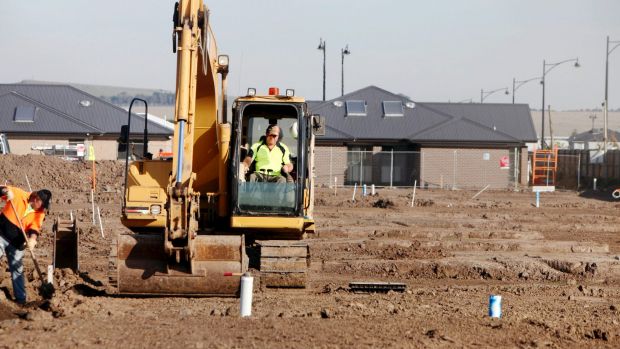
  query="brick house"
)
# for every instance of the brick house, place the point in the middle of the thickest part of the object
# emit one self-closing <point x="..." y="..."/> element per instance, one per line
<point x="55" y="119"/>
<point x="377" y="137"/>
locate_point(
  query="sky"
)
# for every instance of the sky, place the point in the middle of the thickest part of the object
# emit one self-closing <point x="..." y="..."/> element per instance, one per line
<point x="431" y="51"/>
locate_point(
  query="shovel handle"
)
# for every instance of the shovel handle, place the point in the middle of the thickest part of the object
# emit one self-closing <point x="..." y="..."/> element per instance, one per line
<point x="21" y="227"/>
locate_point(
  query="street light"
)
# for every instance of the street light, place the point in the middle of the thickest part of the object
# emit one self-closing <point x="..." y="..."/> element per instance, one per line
<point x="545" y="72"/>
<point x="322" y="47"/>
<point x="484" y="94"/>
<point x="605" y="103"/>
<point x="343" y="51"/>
<point x="516" y="84"/>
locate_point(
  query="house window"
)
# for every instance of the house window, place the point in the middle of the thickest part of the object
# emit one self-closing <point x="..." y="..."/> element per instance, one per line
<point x="25" y="113"/>
<point x="76" y="141"/>
<point x="356" y="108"/>
<point x="392" y="108"/>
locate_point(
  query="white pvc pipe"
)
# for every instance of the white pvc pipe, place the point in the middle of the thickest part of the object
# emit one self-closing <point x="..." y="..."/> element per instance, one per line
<point x="50" y="274"/>
<point x="354" y="190"/>
<point x="335" y="185"/>
<point x="247" y="282"/>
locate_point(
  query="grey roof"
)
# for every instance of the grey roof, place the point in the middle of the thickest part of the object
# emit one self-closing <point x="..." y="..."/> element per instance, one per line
<point x="595" y="135"/>
<point x="60" y="111"/>
<point x="426" y="122"/>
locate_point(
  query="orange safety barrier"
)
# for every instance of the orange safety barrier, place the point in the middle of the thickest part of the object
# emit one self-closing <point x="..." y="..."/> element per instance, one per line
<point x="544" y="166"/>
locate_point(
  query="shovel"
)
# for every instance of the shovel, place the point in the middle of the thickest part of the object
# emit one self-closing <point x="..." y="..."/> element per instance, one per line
<point x="46" y="290"/>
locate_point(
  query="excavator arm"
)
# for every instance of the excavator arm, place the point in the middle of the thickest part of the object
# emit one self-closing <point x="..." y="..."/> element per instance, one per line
<point x="170" y="252"/>
<point x="197" y="65"/>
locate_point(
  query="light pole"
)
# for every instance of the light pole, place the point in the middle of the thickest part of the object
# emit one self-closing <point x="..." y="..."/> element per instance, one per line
<point x="516" y="84"/>
<point x="484" y="94"/>
<point x="545" y="72"/>
<point x="322" y="47"/>
<point x="605" y="103"/>
<point x="343" y="51"/>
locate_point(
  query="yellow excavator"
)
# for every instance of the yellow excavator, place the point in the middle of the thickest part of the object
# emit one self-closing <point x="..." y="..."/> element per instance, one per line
<point x="196" y="217"/>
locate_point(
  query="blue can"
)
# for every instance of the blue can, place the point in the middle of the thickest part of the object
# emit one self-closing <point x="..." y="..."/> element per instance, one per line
<point x="495" y="306"/>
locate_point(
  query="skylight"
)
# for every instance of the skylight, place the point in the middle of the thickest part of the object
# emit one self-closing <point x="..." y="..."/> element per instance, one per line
<point x="356" y="108"/>
<point x="393" y="108"/>
<point x="24" y="113"/>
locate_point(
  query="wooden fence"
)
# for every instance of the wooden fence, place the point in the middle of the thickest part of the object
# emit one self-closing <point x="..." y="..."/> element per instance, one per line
<point x="576" y="170"/>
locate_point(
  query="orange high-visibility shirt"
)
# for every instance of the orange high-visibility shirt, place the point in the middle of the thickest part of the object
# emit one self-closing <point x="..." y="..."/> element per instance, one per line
<point x="31" y="219"/>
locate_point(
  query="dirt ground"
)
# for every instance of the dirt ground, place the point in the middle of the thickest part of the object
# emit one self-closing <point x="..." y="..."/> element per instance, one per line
<point x="557" y="268"/>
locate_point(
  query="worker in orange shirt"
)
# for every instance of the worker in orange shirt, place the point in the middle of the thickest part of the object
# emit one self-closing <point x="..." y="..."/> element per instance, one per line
<point x="22" y="210"/>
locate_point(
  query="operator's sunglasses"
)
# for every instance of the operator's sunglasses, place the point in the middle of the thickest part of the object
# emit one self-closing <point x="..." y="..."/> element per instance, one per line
<point x="273" y="135"/>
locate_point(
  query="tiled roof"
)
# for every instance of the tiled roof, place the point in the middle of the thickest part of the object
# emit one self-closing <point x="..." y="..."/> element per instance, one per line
<point x="425" y="122"/>
<point x="65" y="109"/>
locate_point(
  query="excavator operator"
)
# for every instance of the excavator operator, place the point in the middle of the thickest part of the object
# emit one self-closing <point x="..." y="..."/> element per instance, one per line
<point x="272" y="159"/>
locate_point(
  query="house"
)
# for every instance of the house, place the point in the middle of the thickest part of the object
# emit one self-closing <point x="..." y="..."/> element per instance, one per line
<point x="63" y="120"/>
<point x="374" y="136"/>
<point x="593" y="140"/>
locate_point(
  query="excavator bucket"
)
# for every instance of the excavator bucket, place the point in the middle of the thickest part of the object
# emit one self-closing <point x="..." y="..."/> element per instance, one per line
<point x="139" y="266"/>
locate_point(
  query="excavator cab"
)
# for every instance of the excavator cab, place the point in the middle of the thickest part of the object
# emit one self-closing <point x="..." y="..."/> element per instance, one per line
<point x="283" y="196"/>
<point x="275" y="216"/>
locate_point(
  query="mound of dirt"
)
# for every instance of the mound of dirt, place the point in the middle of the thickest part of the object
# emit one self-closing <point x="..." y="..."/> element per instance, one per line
<point x="58" y="174"/>
<point x="383" y="203"/>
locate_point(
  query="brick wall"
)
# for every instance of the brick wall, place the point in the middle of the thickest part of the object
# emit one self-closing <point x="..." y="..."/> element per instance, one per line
<point x="331" y="161"/>
<point x="447" y="167"/>
<point x="524" y="169"/>
<point x="465" y="168"/>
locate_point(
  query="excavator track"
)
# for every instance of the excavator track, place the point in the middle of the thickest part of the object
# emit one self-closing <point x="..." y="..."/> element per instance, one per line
<point x="284" y="264"/>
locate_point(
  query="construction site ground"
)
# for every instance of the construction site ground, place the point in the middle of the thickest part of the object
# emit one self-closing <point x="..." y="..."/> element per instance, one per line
<point x="557" y="268"/>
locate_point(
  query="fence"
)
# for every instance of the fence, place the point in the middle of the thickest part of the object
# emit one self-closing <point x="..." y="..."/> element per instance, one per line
<point x="66" y="151"/>
<point x="431" y="168"/>
<point x="578" y="168"/>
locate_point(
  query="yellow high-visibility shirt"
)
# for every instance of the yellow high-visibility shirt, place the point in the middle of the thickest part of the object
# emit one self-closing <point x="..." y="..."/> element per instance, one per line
<point x="272" y="159"/>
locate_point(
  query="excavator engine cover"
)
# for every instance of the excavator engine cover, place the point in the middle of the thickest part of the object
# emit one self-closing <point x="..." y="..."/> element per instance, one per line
<point x="139" y="266"/>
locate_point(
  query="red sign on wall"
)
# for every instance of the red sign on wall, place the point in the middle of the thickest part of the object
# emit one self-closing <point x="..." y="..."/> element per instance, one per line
<point x="504" y="162"/>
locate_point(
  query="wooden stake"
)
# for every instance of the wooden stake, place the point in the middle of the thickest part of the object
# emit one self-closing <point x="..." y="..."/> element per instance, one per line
<point x="480" y="192"/>
<point x="100" y="222"/>
<point x="415" y="184"/>
<point x="28" y="182"/>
